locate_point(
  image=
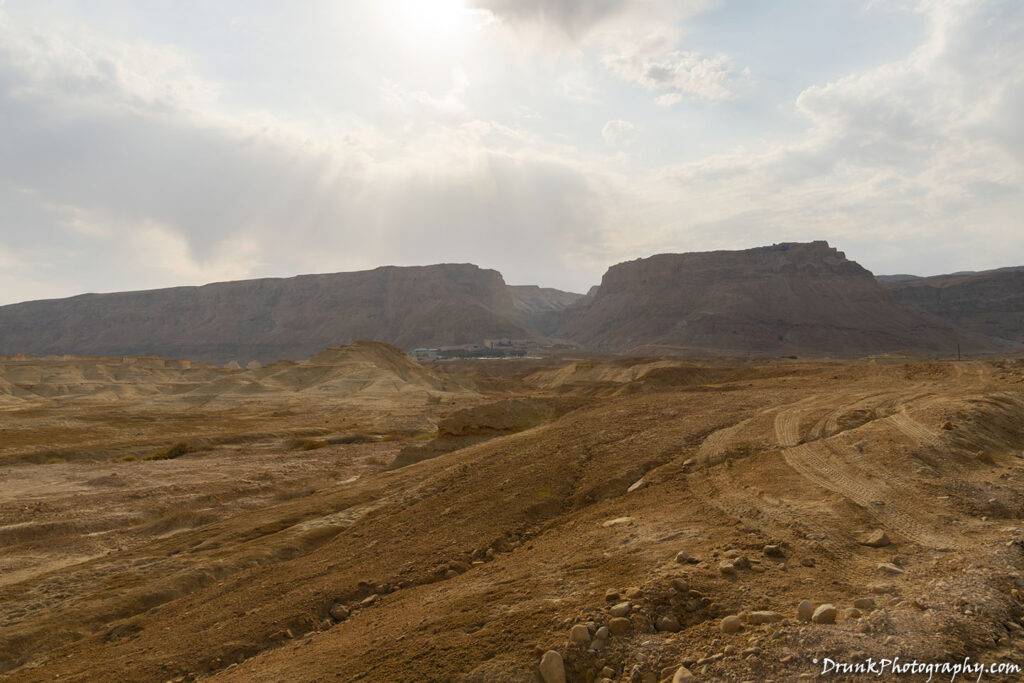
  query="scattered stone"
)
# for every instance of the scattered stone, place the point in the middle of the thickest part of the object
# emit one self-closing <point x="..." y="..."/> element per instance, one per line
<point x="825" y="614"/>
<point x="619" y="626"/>
<point x="762" y="617"/>
<point x="947" y="425"/>
<point x="875" y="539"/>
<point x="853" y="613"/>
<point x="635" y="485"/>
<point x="611" y="595"/>
<point x="621" y="609"/>
<point x="634" y="593"/>
<point x="617" y="521"/>
<point x="339" y="612"/>
<point x="667" y="623"/>
<point x="808" y="562"/>
<point x="683" y="557"/>
<point x="579" y="635"/>
<point x="731" y="624"/>
<point x="805" y="610"/>
<point x="602" y="633"/>
<point x="727" y="569"/>
<point x="682" y="674"/>
<point x="881" y="588"/>
<point x="552" y="668"/>
<point x="773" y="551"/>
<point x="864" y="603"/>
<point x="682" y="586"/>
<point x="888" y="568"/>
<point x="741" y="562"/>
<point x="368" y="600"/>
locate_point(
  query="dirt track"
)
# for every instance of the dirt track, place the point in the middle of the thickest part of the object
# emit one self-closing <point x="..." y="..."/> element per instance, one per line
<point x="226" y="563"/>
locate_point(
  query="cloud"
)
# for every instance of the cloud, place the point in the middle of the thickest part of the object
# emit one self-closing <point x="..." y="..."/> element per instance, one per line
<point x="910" y="164"/>
<point x="619" y="133"/>
<point x="571" y="19"/>
<point x="122" y="167"/>
<point x="676" y="74"/>
<point x="637" y="40"/>
<point x="125" y="155"/>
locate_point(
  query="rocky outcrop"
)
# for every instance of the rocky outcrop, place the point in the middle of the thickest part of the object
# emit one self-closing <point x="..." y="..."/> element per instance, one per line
<point x="989" y="303"/>
<point x="542" y="307"/>
<point x="792" y="298"/>
<point x="273" y="318"/>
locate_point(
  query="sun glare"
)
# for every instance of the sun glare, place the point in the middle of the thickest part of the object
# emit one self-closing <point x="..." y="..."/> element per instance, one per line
<point x="447" y="19"/>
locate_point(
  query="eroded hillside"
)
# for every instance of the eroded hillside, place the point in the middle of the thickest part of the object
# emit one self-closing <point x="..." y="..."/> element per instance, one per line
<point x="617" y="513"/>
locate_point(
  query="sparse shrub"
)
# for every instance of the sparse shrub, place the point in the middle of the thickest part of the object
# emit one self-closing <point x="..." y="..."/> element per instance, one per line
<point x="176" y="451"/>
<point x="305" y="444"/>
<point x="349" y="439"/>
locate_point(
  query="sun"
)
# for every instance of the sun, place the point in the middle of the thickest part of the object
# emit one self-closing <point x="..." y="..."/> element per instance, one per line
<point x="434" y="18"/>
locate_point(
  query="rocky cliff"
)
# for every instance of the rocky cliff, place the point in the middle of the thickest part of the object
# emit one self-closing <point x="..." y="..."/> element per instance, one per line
<point x="987" y="303"/>
<point x="273" y="318"/>
<point x="794" y="298"/>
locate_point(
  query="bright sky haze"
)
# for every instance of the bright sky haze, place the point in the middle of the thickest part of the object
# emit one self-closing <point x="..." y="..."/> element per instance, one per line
<point x="178" y="142"/>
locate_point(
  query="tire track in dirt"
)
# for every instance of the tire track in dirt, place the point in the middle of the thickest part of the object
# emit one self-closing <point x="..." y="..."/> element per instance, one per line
<point x="823" y="464"/>
<point x="717" y="442"/>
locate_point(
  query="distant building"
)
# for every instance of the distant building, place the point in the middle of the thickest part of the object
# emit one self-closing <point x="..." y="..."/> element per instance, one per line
<point x="425" y="354"/>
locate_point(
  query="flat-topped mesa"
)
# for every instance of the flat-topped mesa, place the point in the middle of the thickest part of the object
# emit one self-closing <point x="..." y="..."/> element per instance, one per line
<point x="804" y="259"/>
<point x="805" y="298"/>
<point x="271" y="318"/>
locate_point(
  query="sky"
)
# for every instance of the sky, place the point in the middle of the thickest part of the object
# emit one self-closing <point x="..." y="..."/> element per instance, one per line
<point x="159" y="143"/>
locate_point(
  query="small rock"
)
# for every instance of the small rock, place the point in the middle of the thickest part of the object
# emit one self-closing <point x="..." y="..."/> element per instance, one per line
<point x="731" y="624"/>
<point x="579" y="635"/>
<point x="825" y="614"/>
<point x="619" y="626"/>
<point x="552" y="668"/>
<point x="620" y="610"/>
<point x="725" y="568"/>
<point x="864" y="603"/>
<point x="887" y="568"/>
<point x="805" y="610"/>
<point x="741" y="562"/>
<point x="368" y="600"/>
<point x="682" y="674"/>
<point x="853" y="614"/>
<point x="339" y="612"/>
<point x="682" y="586"/>
<point x="772" y="551"/>
<point x="762" y="617"/>
<point x="617" y="521"/>
<point x="667" y="623"/>
<point x="808" y="561"/>
<point x="635" y="485"/>
<point x="611" y="595"/>
<point x="683" y="557"/>
<point x="875" y="539"/>
<point x="602" y="633"/>
<point x="634" y="593"/>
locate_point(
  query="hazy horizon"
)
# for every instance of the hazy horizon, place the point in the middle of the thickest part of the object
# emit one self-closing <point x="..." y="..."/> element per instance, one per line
<point x="183" y="143"/>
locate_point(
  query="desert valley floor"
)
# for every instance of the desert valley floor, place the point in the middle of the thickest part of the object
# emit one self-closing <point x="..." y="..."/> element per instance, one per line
<point x="360" y="517"/>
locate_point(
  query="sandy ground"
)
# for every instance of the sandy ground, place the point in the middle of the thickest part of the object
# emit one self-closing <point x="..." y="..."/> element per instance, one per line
<point x="263" y="534"/>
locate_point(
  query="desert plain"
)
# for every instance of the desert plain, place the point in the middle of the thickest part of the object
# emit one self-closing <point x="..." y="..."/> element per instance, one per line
<point x="359" y="516"/>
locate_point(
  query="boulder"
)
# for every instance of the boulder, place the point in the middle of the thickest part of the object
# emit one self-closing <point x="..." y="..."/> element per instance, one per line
<point x="619" y="626"/>
<point x="825" y="614"/>
<point x="552" y="668"/>
<point x="731" y="624"/>
<point x="875" y="539"/>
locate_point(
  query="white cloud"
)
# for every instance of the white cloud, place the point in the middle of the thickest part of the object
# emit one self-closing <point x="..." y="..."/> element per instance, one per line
<point x="619" y="133"/>
<point x="122" y="167"/>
